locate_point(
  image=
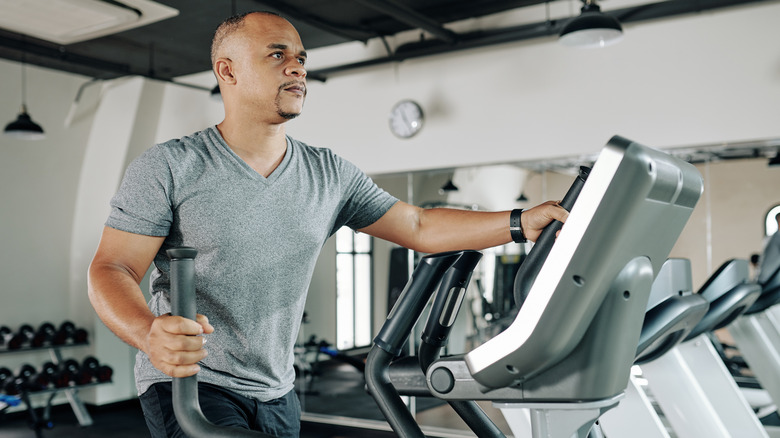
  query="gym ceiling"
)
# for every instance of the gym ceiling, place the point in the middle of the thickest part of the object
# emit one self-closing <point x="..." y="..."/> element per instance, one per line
<point x="178" y="46"/>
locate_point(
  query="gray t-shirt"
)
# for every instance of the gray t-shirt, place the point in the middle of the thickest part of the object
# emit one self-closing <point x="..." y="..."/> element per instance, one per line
<point x="257" y="239"/>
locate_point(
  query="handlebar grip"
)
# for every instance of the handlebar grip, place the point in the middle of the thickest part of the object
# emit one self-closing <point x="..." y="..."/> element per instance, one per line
<point x="529" y="269"/>
<point x="448" y="299"/>
<point x="410" y="305"/>
<point x="186" y="405"/>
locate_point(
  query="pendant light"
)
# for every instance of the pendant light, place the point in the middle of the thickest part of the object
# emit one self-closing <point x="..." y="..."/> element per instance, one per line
<point x="448" y="187"/>
<point x="775" y="161"/>
<point x="591" y="29"/>
<point x="522" y="198"/>
<point x="23" y="127"/>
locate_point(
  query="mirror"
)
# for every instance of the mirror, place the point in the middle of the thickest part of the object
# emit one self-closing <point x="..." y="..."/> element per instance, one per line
<point x="728" y="222"/>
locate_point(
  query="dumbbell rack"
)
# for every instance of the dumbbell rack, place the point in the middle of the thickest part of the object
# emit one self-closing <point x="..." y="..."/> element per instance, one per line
<point x="71" y="392"/>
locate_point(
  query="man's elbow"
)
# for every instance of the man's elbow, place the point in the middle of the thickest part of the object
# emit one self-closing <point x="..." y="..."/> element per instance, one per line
<point x="93" y="292"/>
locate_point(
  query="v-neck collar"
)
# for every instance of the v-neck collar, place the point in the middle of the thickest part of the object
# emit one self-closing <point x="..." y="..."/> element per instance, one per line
<point x="250" y="172"/>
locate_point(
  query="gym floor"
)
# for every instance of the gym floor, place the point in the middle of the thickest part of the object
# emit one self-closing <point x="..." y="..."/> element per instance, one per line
<point x="336" y="390"/>
<point x="125" y="420"/>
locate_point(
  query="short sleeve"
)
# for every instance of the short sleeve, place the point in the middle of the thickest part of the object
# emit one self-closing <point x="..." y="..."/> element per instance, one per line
<point x="366" y="202"/>
<point x="142" y="205"/>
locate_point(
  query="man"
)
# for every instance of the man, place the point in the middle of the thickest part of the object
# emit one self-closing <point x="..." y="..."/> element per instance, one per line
<point x="258" y="206"/>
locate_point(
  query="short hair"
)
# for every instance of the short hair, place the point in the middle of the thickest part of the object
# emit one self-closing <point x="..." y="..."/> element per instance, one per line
<point x="230" y="26"/>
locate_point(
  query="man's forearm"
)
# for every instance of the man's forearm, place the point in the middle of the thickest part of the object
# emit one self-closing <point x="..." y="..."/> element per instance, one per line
<point x="119" y="302"/>
<point x="444" y="229"/>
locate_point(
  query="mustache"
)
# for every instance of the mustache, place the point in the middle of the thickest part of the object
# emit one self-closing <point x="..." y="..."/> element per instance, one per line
<point x="291" y="84"/>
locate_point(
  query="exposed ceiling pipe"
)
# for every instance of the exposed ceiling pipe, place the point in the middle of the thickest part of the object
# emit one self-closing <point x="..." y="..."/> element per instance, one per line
<point x="411" y="17"/>
<point x="338" y="29"/>
<point x="436" y="47"/>
<point x="523" y="32"/>
<point x="31" y="48"/>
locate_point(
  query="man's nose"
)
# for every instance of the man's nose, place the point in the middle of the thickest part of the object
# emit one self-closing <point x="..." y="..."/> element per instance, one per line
<point x="295" y="69"/>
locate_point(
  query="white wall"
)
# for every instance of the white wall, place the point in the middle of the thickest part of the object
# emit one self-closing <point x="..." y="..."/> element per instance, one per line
<point x="701" y="78"/>
<point x="38" y="184"/>
<point x="694" y="79"/>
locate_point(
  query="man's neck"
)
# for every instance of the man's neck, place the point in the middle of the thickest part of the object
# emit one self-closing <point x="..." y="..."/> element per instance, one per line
<point x="262" y="147"/>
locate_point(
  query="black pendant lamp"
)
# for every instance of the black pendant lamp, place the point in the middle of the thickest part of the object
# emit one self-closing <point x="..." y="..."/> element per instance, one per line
<point x="448" y="187"/>
<point x="522" y="198"/>
<point x="591" y="29"/>
<point x="775" y="161"/>
<point x="24" y="127"/>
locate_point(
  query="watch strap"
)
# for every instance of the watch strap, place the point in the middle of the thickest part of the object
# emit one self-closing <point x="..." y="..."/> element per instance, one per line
<point x="516" y="227"/>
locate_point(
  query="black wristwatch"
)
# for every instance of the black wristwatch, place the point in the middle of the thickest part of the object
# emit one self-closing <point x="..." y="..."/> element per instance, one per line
<point x="516" y="227"/>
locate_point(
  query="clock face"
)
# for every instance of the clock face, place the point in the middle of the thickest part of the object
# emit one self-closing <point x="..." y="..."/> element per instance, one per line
<point x="406" y="119"/>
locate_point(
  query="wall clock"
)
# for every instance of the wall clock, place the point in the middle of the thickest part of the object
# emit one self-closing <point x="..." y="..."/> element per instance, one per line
<point x="406" y="118"/>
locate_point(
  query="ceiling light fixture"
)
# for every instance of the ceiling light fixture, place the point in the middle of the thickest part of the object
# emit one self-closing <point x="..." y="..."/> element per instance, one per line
<point x="591" y="29"/>
<point x="448" y="187"/>
<point x="775" y="161"/>
<point x="66" y="22"/>
<point x="23" y="127"/>
<point x="522" y="198"/>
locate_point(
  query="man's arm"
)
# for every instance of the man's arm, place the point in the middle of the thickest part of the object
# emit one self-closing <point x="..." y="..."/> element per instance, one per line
<point x="119" y="264"/>
<point x="444" y="229"/>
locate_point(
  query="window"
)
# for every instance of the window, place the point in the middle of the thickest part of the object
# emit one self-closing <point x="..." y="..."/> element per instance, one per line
<point x="353" y="289"/>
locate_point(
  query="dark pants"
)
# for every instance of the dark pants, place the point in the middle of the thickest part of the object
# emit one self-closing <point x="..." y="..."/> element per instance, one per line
<point x="280" y="417"/>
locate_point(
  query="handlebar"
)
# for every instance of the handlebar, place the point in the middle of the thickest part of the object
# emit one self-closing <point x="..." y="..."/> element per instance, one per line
<point x="529" y="269"/>
<point x="395" y="332"/>
<point x="444" y="310"/>
<point x="186" y="405"/>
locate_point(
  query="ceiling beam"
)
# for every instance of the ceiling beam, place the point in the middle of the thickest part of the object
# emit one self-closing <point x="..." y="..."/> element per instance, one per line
<point x="27" y="48"/>
<point x="338" y="29"/>
<point x="523" y="32"/>
<point x="113" y="70"/>
<point x="411" y="17"/>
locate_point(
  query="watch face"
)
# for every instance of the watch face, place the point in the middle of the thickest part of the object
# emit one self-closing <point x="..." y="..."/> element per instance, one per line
<point x="406" y="119"/>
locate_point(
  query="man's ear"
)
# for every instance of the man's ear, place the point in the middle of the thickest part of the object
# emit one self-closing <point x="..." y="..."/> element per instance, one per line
<point x="223" y="69"/>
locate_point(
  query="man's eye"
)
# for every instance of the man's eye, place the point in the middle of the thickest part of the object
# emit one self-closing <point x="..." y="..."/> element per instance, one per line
<point x="302" y="61"/>
<point x="277" y="55"/>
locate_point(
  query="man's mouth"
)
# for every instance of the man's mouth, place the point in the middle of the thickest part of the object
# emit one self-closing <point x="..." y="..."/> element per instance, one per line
<point x="296" y="88"/>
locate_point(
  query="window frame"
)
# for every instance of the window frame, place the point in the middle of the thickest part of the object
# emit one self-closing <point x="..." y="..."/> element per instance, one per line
<point x="358" y="251"/>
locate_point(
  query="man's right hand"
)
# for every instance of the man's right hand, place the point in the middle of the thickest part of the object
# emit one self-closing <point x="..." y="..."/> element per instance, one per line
<point x="175" y="345"/>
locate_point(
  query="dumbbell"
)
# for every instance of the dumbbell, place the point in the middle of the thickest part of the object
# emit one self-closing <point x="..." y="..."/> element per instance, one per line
<point x="15" y="384"/>
<point x="43" y="335"/>
<point x="45" y="376"/>
<point x="101" y="373"/>
<point x="5" y="334"/>
<point x="64" y="374"/>
<point x="12" y="385"/>
<point x="90" y="364"/>
<point x="47" y="333"/>
<point x="79" y="336"/>
<point x="27" y="374"/>
<point x="104" y="373"/>
<point x="75" y="373"/>
<point x="61" y="378"/>
<point x="22" y="336"/>
<point x="66" y="330"/>
<point x="5" y="374"/>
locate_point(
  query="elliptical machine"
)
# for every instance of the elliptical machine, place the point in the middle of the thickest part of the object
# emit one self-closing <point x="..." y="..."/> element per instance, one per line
<point x="568" y="354"/>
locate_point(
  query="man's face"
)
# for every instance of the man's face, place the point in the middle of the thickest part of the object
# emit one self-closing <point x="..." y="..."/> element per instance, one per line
<point x="271" y="69"/>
